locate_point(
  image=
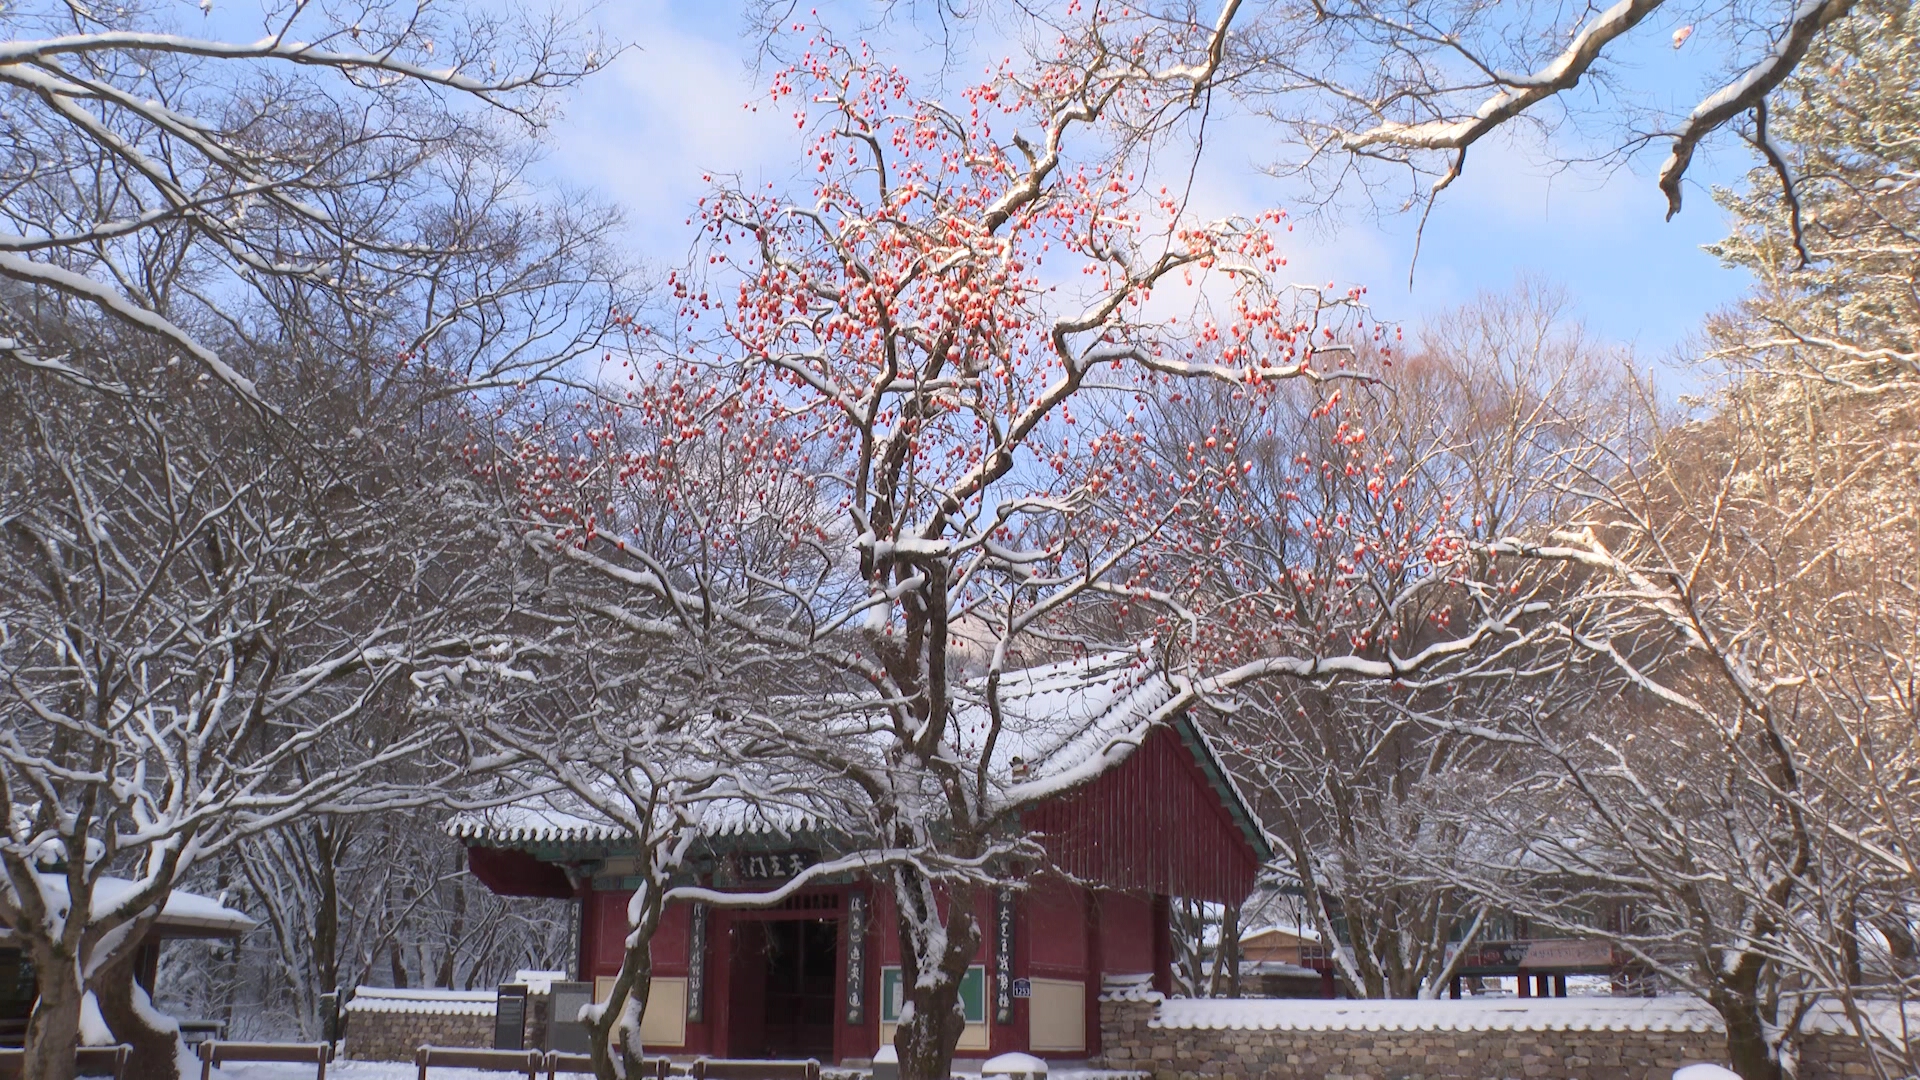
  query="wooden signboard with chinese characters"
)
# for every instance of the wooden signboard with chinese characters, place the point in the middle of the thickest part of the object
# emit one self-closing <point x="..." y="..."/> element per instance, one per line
<point x="856" y="959"/>
<point x="769" y="867"/>
<point x="1003" y="922"/>
<point x="697" y="965"/>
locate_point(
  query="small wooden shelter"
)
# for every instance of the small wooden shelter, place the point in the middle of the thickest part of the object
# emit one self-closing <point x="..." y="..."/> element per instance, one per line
<point x="185" y="915"/>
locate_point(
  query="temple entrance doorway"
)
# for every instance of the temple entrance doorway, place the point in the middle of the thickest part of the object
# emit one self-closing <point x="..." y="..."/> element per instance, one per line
<point x="784" y="975"/>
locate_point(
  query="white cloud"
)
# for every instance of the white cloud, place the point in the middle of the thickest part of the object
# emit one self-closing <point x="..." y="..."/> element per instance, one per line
<point x="670" y="110"/>
<point x="645" y="131"/>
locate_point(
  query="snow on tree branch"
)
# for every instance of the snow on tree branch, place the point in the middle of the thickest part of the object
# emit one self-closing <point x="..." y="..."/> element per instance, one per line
<point x="194" y="188"/>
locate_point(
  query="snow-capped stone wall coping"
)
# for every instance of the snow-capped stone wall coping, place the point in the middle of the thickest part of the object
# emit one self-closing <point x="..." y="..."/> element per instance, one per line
<point x="387" y="999"/>
<point x="388" y="1024"/>
<point x="1130" y="988"/>
<point x="1496" y="1014"/>
<point x="538" y="982"/>
<point x="1552" y="1039"/>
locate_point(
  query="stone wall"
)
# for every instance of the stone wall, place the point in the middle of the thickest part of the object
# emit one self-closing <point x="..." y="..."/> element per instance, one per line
<point x="1130" y="1042"/>
<point x="393" y="1036"/>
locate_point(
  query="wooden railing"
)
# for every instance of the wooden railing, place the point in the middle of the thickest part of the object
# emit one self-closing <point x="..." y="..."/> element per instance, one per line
<point x="87" y="1061"/>
<point x="220" y="1053"/>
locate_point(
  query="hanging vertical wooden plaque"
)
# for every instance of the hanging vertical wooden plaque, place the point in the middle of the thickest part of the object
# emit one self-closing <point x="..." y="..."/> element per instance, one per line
<point x="697" y="965"/>
<point x="1003" y="920"/>
<point x="856" y="959"/>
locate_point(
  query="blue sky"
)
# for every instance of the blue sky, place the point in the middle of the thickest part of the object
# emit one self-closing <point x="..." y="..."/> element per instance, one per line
<point x="643" y="132"/>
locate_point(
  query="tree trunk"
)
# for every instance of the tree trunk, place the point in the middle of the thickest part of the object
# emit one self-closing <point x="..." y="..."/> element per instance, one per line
<point x="53" y="1030"/>
<point x="1226" y="963"/>
<point x="456" y="926"/>
<point x="928" y="1034"/>
<point x="227" y="959"/>
<point x="156" y="1052"/>
<point x="614" y="1034"/>
<point x="1748" y="1051"/>
<point x="1189" y="965"/>
<point x="397" y="963"/>
<point x="326" y="918"/>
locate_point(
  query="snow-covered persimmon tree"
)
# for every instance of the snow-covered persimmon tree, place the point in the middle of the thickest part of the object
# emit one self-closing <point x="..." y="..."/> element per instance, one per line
<point x="935" y="358"/>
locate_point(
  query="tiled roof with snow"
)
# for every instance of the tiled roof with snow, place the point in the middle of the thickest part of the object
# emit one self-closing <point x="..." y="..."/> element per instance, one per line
<point x="1500" y="1014"/>
<point x="1058" y="717"/>
<point x="1062" y="720"/>
<point x="188" y="910"/>
<point x="1129" y="988"/>
<point x="1304" y="933"/>
<point x="387" y="999"/>
<point x="560" y="817"/>
<point x="1277" y="967"/>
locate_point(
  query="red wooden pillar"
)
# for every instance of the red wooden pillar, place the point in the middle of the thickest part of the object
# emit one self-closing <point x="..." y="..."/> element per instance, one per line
<point x="1525" y="982"/>
<point x="583" y="910"/>
<point x="720" y="982"/>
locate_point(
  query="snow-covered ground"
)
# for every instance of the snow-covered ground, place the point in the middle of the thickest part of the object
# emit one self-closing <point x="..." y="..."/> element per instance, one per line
<point x="352" y="1070"/>
<point x="400" y="1070"/>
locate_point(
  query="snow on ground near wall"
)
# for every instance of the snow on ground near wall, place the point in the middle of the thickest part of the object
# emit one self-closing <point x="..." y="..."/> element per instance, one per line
<point x="350" y="1070"/>
<point x="400" y="1070"/>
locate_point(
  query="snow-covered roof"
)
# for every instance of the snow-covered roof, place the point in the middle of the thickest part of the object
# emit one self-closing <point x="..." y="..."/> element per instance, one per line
<point x="1277" y="967"/>
<point x="192" y="911"/>
<point x="539" y="982"/>
<point x="1066" y="722"/>
<point x="561" y="817"/>
<point x="185" y="914"/>
<point x="1502" y="1014"/>
<point x="1304" y="933"/>
<point x="387" y="999"/>
<point x="1060" y="718"/>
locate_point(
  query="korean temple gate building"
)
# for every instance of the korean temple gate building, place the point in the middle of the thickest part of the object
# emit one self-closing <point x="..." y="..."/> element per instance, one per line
<point x="1153" y="818"/>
